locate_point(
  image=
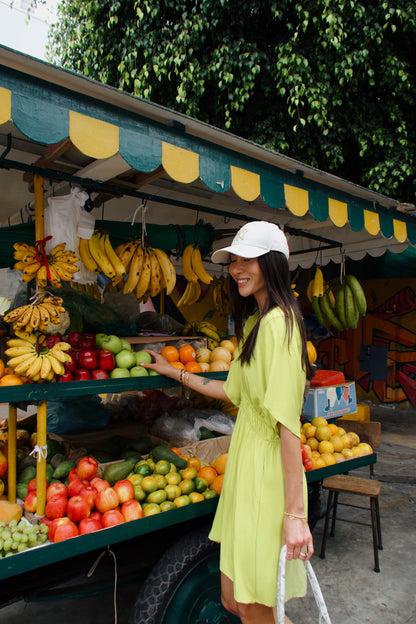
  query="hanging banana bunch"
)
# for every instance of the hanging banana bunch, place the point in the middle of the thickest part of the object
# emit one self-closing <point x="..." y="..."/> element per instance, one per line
<point x="343" y="309"/>
<point x="98" y="255"/>
<point x="37" y="315"/>
<point x="35" y="361"/>
<point x="194" y="271"/>
<point x="220" y="295"/>
<point x="55" y="268"/>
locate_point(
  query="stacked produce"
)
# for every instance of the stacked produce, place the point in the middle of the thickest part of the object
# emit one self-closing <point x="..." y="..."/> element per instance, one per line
<point x="325" y="444"/>
<point x="339" y="307"/>
<point x="207" y="329"/>
<point x="193" y="270"/>
<point x="55" y="268"/>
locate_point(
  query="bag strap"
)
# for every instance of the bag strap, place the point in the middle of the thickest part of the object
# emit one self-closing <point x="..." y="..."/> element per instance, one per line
<point x="319" y="599"/>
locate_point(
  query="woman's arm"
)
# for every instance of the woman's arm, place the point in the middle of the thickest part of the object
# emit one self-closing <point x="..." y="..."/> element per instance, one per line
<point x="209" y="387"/>
<point x="296" y="532"/>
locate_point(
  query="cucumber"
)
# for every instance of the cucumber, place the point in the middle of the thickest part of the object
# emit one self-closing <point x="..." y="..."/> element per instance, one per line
<point x="118" y="471"/>
<point x="163" y="452"/>
<point x="63" y="469"/>
<point x="131" y="455"/>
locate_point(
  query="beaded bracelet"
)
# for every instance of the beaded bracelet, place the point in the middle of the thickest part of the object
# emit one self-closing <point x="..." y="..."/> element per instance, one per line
<point x="294" y="517"/>
<point x="183" y="377"/>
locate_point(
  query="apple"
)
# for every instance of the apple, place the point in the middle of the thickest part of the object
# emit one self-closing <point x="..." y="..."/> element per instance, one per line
<point x="138" y="371"/>
<point x="73" y="338"/>
<point x="75" y="486"/>
<point x="30" y="501"/>
<point x="106" y="499"/>
<point x="78" y="508"/>
<point x="54" y="525"/>
<point x="56" y="489"/>
<point x="86" y="341"/>
<point x="125" y="359"/>
<point x="52" y="339"/>
<point x="71" y="366"/>
<point x="89" y="525"/>
<point x="152" y="372"/>
<point x="88" y="359"/>
<point x="124" y="489"/>
<point x="72" y="475"/>
<point x="64" y="531"/>
<point x="125" y="343"/>
<point x="87" y="468"/>
<point x="46" y="521"/>
<point x="89" y="492"/>
<point x="106" y="360"/>
<point x="308" y="464"/>
<point x="112" y="343"/>
<point x="98" y="340"/>
<point x="112" y="517"/>
<point x="81" y="374"/>
<point x="99" y="484"/>
<point x="31" y="486"/>
<point x="143" y="356"/>
<point x="96" y="515"/>
<point x="131" y="510"/>
<point x="99" y="374"/>
<point x="67" y="376"/>
<point x="56" y="507"/>
<point x="117" y="373"/>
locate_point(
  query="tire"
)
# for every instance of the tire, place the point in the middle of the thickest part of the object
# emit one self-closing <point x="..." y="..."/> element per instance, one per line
<point x="184" y="586"/>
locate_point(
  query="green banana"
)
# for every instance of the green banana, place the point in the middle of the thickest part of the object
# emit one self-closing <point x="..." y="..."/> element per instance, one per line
<point x="358" y="294"/>
<point x="351" y="312"/>
<point x="340" y="305"/>
<point x="329" y="313"/>
<point x="317" y="310"/>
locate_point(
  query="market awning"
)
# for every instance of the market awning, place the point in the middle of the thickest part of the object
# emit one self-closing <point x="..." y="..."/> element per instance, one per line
<point x="46" y="113"/>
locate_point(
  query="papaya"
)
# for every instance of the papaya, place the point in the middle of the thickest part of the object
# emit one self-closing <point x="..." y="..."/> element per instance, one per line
<point x="57" y="459"/>
<point x="27" y="474"/>
<point x="163" y="452"/>
<point x="10" y="511"/>
<point x="63" y="469"/>
<point x="118" y="471"/>
<point x="49" y="472"/>
<point x="53" y="447"/>
<point x="21" y="490"/>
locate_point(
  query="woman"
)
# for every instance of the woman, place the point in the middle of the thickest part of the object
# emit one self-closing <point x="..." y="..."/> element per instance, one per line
<point x="263" y="503"/>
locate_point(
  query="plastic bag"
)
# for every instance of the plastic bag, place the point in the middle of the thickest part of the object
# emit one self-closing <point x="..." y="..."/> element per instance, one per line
<point x="186" y="423"/>
<point x="75" y="415"/>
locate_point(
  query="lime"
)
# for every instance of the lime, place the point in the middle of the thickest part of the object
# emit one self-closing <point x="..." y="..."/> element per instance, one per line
<point x="136" y="479"/>
<point x="159" y="496"/>
<point x="173" y="478"/>
<point x="173" y="468"/>
<point x="139" y="493"/>
<point x="149" y="484"/>
<point x="151" y="463"/>
<point x="187" y="486"/>
<point x="209" y="494"/>
<point x="189" y="473"/>
<point x="160" y="480"/>
<point x="162" y="467"/>
<point x="151" y="509"/>
<point x="173" y="491"/>
<point x="142" y="468"/>
<point x="201" y="484"/>
<point x="182" y="501"/>
<point x="167" y="506"/>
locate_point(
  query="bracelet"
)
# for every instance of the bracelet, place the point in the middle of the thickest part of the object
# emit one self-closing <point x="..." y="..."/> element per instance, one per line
<point x="183" y="377"/>
<point x="294" y="517"/>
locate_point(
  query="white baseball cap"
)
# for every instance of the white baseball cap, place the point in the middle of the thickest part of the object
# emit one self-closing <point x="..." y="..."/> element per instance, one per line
<point x="253" y="240"/>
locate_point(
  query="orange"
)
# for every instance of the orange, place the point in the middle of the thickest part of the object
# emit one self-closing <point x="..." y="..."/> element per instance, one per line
<point x="1" y="368"/>
<point x="189" y="473"/>
<point x="333" y="428"/>
<point x="175" y="449"/>
<point x="220" y="463"/>
<point x="170" y="353"/>
<point x="193" y="462"/>
<point x="196" y="497"/>
<point x="193" y="367"/>
<point x="187" y="354"/>
<point x="216" y="485"/>
<point x="178" y="365"/>
<point x="208" y="473"/>
<point x="10" y="380"/>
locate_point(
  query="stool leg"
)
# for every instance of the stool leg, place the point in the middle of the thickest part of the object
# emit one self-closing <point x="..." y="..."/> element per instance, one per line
<point x="328" y="511"/>
<point x="334" y="514"/>
<point x="377" y="508"/>
<point x="374" y="530"/>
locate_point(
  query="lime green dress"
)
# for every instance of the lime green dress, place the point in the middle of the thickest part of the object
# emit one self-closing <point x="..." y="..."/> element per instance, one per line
<point x="249" y="518"/>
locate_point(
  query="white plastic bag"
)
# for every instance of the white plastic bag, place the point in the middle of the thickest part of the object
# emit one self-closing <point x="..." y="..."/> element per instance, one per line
<point x="319" y="599"/>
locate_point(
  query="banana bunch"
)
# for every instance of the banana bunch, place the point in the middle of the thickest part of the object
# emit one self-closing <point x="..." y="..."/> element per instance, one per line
<point x="192" y="267"/>
<point x="150" y="270"/>
<point x="36" y="316"/>
<point x="99" y="256"/>
<point x="204" y="328"/>
<point x="37" y="363"/>
<point x="190" y="295"/>
<point x="343" y="309"/>
<point x="220" y="295"/>
<point x="59" y="266"/>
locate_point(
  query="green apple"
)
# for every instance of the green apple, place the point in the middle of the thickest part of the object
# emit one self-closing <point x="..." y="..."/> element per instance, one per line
<point x="126" y="344"/>
<point x="143" y="356"/>
<point x="125" y="359"/>
<point x="98" y="340"/>
<point x="152" y="372"/>
<point x="138" y="371"/>
<point x="117" y="373"/>
<point x="112" y="343"/>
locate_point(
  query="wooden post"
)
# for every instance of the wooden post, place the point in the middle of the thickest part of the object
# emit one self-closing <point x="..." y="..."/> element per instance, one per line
<point x="11" y="454"/>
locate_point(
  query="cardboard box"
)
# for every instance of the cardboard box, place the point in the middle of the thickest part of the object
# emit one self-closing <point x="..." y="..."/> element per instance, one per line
<point x="330" y="402"/>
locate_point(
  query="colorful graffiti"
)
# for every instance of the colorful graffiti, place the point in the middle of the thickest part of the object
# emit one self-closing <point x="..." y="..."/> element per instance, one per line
<point x="390" y="323"/>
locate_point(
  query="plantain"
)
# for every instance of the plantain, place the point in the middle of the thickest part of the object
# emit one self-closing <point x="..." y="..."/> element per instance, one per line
<point x="187" y="269"/>
<point x="144" y="278"/>
<point x="340" y="305"/>
<point x="329" y="313"/>
<point x="351" y="312"/>
<point x="86" y="256"/>
<point x="358" y="294"/>
<point x="198" y="267"/>
<point x="317" y="309"/>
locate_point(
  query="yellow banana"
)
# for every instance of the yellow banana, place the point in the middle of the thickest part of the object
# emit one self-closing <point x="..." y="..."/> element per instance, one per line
<point x="187" y="269"/>
<point x="18" y="359"/>
<point x="66" y="266"/>
<point x="31" y="269"/>
<point x="186" y="295"/>
<point x="42" y="277"/>
<point x="195" y="293"/>
<point x="46" y="366"/>
<point x="45" y="317"/>
<point x="126" y="251"/>
<point x="198" y="267"/>
<point x="118" y="266"/>
<point x="63" y="274"/>
<point x="18" y="342"/>
<point x="54" y="277"/>
<point x="155" y="285"/>
<point x="25" y="335"/>
<point x="57" y="366"/>
<point x="57" y="249"/>
<point x="34" y="317"/>
<point x="318" y="283"/>
<point x="168" y="270"/>
<point x="61" y="356"/>
<point x="52" y="310"/>
<point x="86" y="256"/>
<point x="34" y="368"/>
<point x="22" y="367"/>
<point x="144" y="278"/>
<point x="100" y="257"/>
<point x="61" y="346"/>
<point x="14" y="314"/>
<point x="24" y="318"/>
<point x="136" y="265"/>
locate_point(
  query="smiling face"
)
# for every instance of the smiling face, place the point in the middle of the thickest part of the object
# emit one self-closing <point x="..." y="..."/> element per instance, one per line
<point x="249" y="278"/>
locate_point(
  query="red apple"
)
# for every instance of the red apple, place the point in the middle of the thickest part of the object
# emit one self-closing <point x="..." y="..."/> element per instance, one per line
<point x="72" y="365"/>
<point x="99" y="483"/>
<point x="96" y="515"/>
<point x="88" y="359"/>
<point x="89" y="492"/>
<point x="46" y="521"/>
<point x="75" y="486"/>
<point x="73" y="338"/>
<point x="67" y="376"/>
<point x="308" y="464"/>
<point x="78" y="508"/>
<point x="87" y="468"/>
<point x="65" y="531"/>
<point x="132" y="510"/>
<point x="56" y="489"/>
<point x="81" y="374"/>
<point x="86" y="342"/>
<point x="54" y="524"/>
<point x="124" y="489"/>
<point x="52" y="339"/>
<point x="112" y="518"/>
<point x="99" y="374"/>
<point x="56" y="507"/>
<point x="31" y="500"/>
<point x="73" y="475"/>
<point x="106" y="499"/>
<point x="89" y="525"/>
<point x="31" y="486"/>
<point x="106" y="360"/>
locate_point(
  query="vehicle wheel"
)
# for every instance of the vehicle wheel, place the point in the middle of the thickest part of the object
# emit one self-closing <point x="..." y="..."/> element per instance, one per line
<point x="184" y="586"/>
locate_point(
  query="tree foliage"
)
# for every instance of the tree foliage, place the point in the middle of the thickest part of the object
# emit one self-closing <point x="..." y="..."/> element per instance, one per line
<point x="328" y="82"/>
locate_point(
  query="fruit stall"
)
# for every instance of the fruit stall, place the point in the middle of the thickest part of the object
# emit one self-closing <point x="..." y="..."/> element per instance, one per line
<point x="110" y="208"/>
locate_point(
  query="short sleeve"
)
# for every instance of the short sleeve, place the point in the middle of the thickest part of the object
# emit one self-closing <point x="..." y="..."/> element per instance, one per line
<point x="281" y="376"/>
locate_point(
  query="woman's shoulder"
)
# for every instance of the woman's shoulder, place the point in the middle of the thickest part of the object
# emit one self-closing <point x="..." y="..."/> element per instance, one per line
<point x="273" y="315"/>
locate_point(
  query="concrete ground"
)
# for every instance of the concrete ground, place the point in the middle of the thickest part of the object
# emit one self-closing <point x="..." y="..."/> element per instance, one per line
<point x="353" y="592"/>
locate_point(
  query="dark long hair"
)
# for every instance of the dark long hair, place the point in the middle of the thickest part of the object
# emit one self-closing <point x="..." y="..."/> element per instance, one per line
<point x="279" y="294"/>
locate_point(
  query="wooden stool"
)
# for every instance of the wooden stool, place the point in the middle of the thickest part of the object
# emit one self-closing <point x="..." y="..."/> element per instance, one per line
<point x="359" y="487"/>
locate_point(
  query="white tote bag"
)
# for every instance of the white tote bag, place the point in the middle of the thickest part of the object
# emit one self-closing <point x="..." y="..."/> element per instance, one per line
<point x="323" y="612"/>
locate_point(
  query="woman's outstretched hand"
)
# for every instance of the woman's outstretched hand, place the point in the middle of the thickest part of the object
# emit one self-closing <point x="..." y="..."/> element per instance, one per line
<point x="160" y="365"/>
